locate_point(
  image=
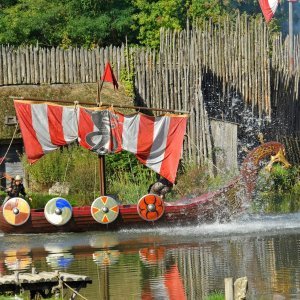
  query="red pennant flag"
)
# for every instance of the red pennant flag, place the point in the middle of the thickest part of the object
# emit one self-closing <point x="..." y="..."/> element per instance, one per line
<point x="268" y="8"/>
<point x="109" y="76"/>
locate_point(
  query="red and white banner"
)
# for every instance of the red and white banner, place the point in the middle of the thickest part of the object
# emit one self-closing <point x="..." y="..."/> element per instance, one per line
<point x="268" y="8"/>
<point x="155" y="141"/>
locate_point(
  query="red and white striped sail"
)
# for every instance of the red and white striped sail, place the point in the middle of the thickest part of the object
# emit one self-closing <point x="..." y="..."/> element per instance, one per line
<point x="268" y="8"/>
<point x="155" y="141"/>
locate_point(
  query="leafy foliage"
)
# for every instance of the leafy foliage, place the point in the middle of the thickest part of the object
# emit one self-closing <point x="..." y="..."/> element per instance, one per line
<point x="278" y="191"/>
<point x="90" y="22"/>
<point x="152" y="15"/>
<point x="65" y="23"/>
<point x="215" y="296"/>
<point x="78" y="167"/>
<point x="194" y="180"/>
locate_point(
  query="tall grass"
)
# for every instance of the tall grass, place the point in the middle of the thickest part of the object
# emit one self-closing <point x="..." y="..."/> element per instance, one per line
<point x="126" y="177"/>
<point x="194" y="180"/>
<point x="215" y="296"/>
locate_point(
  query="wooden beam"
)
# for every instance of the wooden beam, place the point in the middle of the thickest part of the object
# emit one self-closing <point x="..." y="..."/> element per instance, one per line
<point x="60" y="101"/>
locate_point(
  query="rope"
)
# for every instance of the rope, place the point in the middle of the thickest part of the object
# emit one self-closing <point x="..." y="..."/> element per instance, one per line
<point x="208" y="159"/>
<point x="65" y="175"/>
<point x="74" y="291"/>
<point x="4" y="157"/>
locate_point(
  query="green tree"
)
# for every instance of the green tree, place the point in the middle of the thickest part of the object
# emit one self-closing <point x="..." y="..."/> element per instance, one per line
<point x="207" y="9"/>
<point x="66" y="22"/>
<point x="152" y="15"/>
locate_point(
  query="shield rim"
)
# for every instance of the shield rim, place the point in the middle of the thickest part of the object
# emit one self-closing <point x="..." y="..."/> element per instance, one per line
<point x="24" y="220"/>
<point x="117" y="214"/>
<point x="55" y="198"/>
<point x="138" y="208"/>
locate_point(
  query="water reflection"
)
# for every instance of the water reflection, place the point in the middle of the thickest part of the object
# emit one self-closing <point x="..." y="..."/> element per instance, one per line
<point x="59" y="257"/>
<point x="170" y="263"/>
<point x="106" y="257"/>
<point x="152" y="255"/>
<point x="16" y="260"/>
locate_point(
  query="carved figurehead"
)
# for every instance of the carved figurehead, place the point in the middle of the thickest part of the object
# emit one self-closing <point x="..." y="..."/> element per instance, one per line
<point x="279" y="157"/>
<point x="251" y="164"/>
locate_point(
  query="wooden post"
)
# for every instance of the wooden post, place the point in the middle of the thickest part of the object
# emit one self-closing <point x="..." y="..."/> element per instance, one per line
<point x="102" y="175"/>
<point x="228" y="288"/>
<point x="240" y="288"/>
<point x="101" y="157"/>
<point x="291" y="35"/>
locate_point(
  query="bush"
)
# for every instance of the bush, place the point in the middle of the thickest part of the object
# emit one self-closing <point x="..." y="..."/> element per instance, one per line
<point x="40" y="200"/>
<point x="278" y="191"/>
<point x="215" y="296"/>
<point x="125" y="175"/>
<point x="194" y="180"/>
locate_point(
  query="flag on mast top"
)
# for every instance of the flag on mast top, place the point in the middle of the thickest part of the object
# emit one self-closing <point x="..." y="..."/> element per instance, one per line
<point x="268" y="8"/>
<point x="109" y="76"/>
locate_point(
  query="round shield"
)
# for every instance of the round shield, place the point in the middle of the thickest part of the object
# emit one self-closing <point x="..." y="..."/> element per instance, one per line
<point x="58" y="211"/>
<point x="105" y="209"/>
<point x="150" y="207"/>
<point x="16" y="211"/>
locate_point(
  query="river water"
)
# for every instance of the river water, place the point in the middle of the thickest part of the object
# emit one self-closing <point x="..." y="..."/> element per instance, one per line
<point x="170" y="263"/>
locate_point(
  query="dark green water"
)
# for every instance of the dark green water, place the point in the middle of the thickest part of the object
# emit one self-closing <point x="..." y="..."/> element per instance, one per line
<point x="170" y="262"/>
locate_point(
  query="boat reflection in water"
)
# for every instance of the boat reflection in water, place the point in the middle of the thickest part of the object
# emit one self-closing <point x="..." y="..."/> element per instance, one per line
<point x="17" y="260"/>
<point x="185" y="263"/>
<point x="59" y="257"/>
<point x="167" y="285"/>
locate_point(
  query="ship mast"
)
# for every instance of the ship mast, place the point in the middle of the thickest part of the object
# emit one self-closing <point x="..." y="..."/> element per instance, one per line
<point x="101" y="158"/>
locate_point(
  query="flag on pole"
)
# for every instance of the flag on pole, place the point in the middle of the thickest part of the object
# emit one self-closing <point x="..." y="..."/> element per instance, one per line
<point x="109" y="76"/>
<point x="268" y="8"/>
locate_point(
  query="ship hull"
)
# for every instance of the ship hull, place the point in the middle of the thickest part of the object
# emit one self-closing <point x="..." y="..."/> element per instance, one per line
<point x="205" y="208"/>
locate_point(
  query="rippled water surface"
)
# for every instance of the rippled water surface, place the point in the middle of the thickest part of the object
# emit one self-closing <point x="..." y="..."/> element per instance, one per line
<point x="170" y="263"/>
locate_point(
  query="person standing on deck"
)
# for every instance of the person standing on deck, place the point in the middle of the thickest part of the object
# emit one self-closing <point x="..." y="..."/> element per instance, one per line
<point x="161" y="187"/>
<point x="16" y="188"/>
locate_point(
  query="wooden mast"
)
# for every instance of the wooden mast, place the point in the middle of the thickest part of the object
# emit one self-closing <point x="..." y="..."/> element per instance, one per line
<point x="102" y="179"/>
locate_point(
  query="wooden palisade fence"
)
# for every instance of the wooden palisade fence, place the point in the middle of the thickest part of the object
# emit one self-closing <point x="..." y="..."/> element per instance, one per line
<point x="209" y="70"/>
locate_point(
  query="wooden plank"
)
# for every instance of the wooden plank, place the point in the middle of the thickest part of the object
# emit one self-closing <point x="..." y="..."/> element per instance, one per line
<point x="9" y="69"/>
<point x="36" y="65"/>
<point x="13" y="66"/>
<point x="62" y="78"/>
<point x="228" y="288"/>
<point x="1" y="65"/>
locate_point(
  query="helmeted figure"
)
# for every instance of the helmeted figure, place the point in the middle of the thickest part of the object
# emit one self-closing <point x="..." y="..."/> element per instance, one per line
<point x="161" y="187"/>
<point x="16" y="188"/>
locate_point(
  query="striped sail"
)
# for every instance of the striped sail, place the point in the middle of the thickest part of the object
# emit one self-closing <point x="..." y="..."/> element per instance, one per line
<point x="155" y="141"/>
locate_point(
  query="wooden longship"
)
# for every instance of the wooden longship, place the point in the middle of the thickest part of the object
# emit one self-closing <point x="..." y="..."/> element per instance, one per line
<point x="220" y="205"/>
<point x="155" y="141"/>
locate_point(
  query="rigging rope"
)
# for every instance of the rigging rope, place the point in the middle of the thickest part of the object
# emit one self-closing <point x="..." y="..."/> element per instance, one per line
<point x="65" y="175"/>
<point x="208" y="159"/>
<point x="74" y="291"/>
<point x="4" y="157"/>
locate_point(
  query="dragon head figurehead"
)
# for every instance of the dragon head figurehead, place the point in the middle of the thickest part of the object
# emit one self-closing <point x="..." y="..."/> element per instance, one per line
<point x="278" y="158"/>
<point x="251" y="164"/>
